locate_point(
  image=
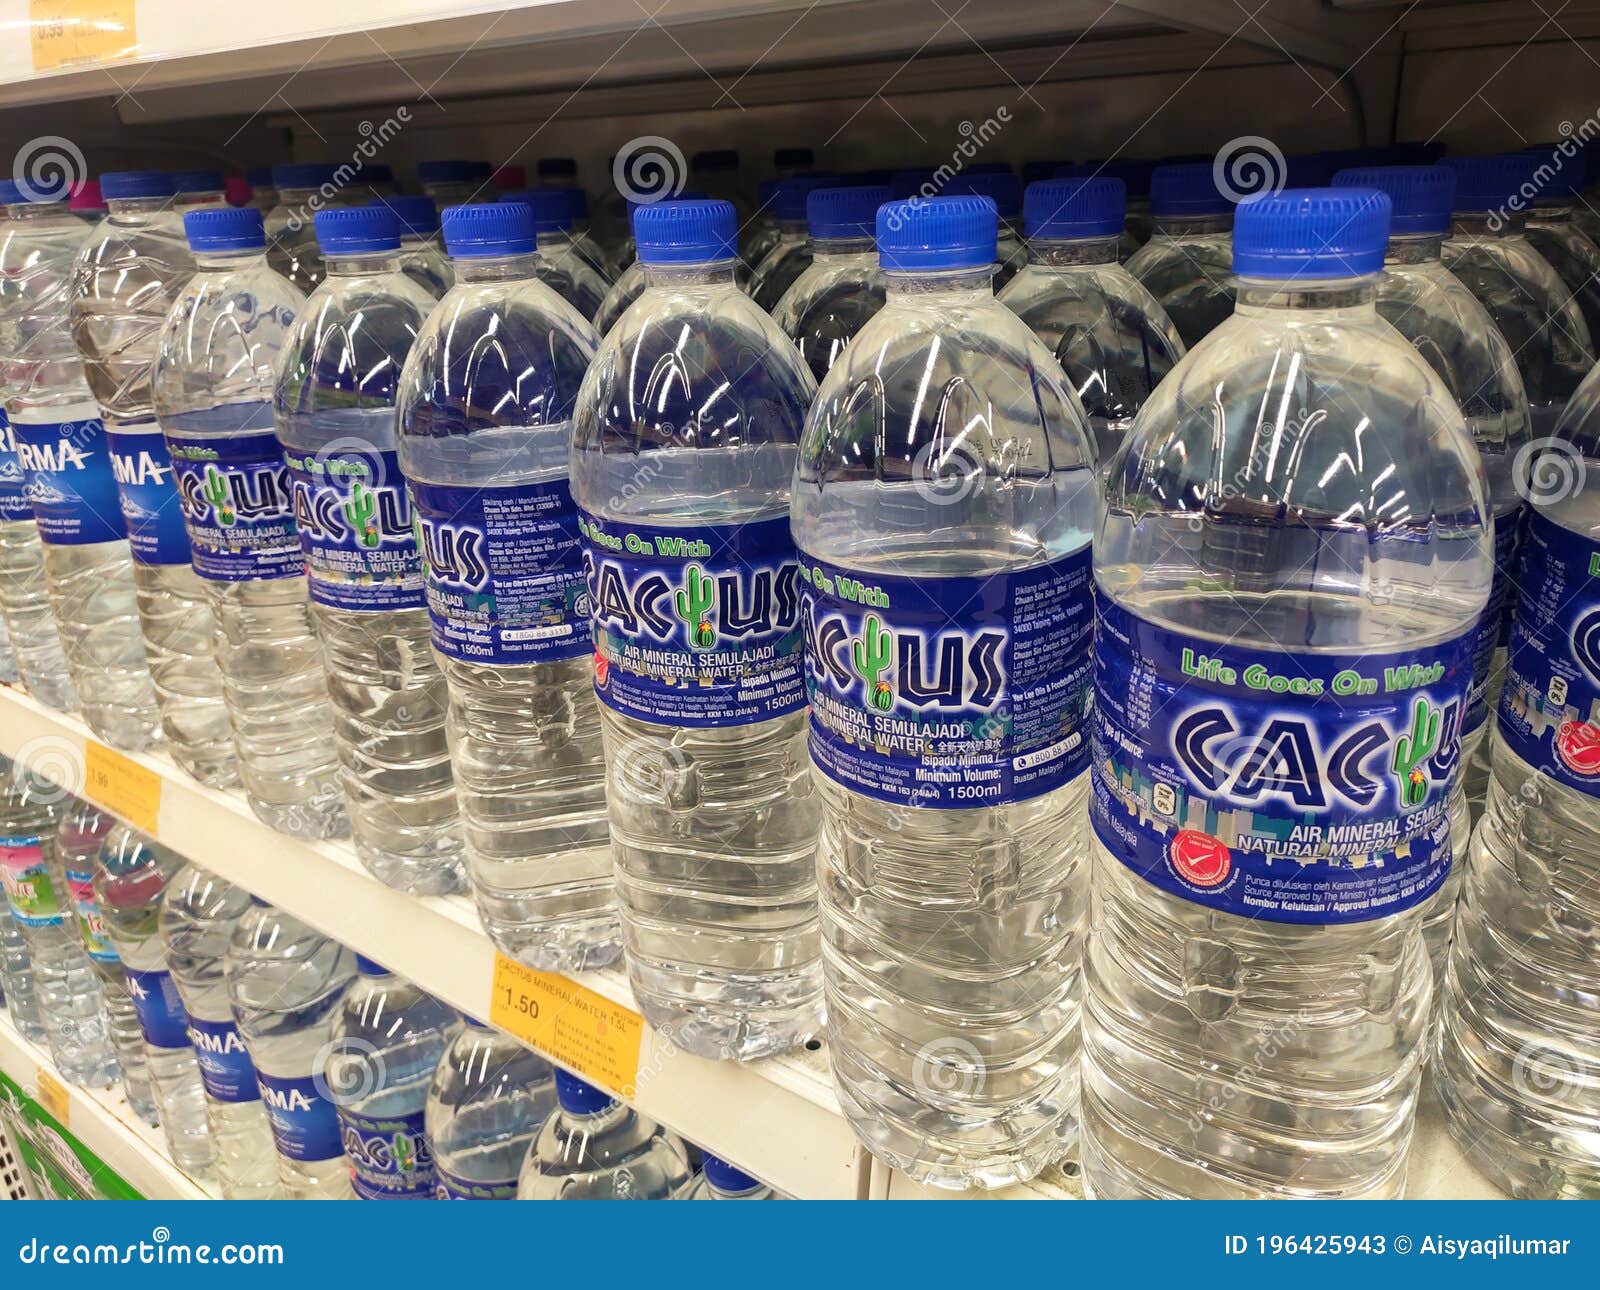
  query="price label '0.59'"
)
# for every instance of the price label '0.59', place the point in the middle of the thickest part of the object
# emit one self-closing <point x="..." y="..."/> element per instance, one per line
<point x="586" y="1032"/>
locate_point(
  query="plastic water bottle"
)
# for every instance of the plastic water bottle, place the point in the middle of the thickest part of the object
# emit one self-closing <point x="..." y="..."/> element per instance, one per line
<point x="86" y="202"/>
<point x="451" y="183"/>
<point x="1516" y="1060"/>
<point x="595" y="1148"/>
<point x="947" y="621"/>
<point x="682" y="485"/>
<point x="303" y="190"/>
<point x="1137" y="225"/>
<point x="196" y="925"/>
<point x="561" y="265"/>
<point x="630" y="282"/>
<point x="578" y="235"/>
<point x="484" y="413"/>
<point x="192" y="189"/>
<point x="27" y="622"/>
<point x="66" y="460"/>
<point x="130" y="881"/>
<point x="1110" y="335"/>
<point x="490" y="1097"/>
<point x="213" y="382"/>
<point x="1258" y="987"/>
<point x="1553" y="231"/>
<point x="777" y="271"/>
<point x="421" y="259"/>
<point x="842" y="287"/>
<point x="334" y="402"/>
<point x="66" y="988"/>
<point x="719" y="1180"/>
<point x="16" y="976"/>
<point x="761" y="233"/>
<point x="83" y="830"/>
<point x="286" y="983"/>
<point x="388" y="1037"/>
<point x="127" y="275"/>
<point x="1187" y="263"/>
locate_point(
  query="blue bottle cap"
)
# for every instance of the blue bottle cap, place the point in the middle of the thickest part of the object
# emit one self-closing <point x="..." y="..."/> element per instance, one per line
<point x="1420" y="197"/>
<point x="121" y="185"/>
<point x="844" y="212"/>
<point x="225" y="228"/>
<point x="12" y="193"/>
<point x="1000" y="186"/>
<point x="369" y="967"/>
<point x="197" y="181"/>
<point x="1558" y="177"/>
<point x="259" y="176"/>
<point x="1311" y="233"/>
<point x="789" y="202"/>
<point x="686" y="232"/>
<point x="556" y="168"/>
<point x="716" y="160"/>
<point x="725" y="1178"/>
<point x="489" y="228"/>
<point x="418" y="216"/>
<point x="453" y="172"/>
<point x="1491" y="183"/>
<point x="1189" y="189"/>
<point x="577" y="201"/>
<point x="304" y="174"/>
<point x="767" y="196"/>
<point x="549" y="208"/>
<point x="1068" y="209"/>
<point x="357" y="230"/>
<point x="578" y="1098"/>
<point x="937" y="233"/>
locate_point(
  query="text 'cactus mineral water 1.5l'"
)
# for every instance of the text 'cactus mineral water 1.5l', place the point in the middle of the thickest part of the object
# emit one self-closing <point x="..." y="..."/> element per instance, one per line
<point x="490" y="1097"/>
<point x="126" y="277"/>
<point x="719" y="1180"/>
<point x="421" y="258"/>
<point x="66" y="460"/>
<point x="1110" y="335"/>
<point x="1519" y="1046"/>
<point x="485" y="412"/>
<point x="130" y="882"/>
<point x="1187" y="263"/>
<point x="684" y="441"/>
<point x="213" y="389"/>
<point x="388" y="1037"/>
<point x="1290" y="571"/>
<point x="286" y="983"/>
<point x="27" y="623"/>
<point x="595" y="1148"/>
<point x="943" y="511"/>
<point x="842" y="287"/>
<point x="303" y="190"/>
<point x="196" y="924"/>
<point x="334" y="402"/>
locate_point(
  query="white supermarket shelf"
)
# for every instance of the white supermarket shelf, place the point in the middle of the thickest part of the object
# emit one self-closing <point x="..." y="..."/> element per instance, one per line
<point x="103" y="1122"/>
<point x="777" y="1118"/>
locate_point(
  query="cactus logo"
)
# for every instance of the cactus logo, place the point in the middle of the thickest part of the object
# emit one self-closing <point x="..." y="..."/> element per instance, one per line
<point x="872" y="656"/>
<point x="1412" y="751"/>
<point x="215" y="491"/>
<point x="694" y="604"/>
<point x="360" y="511"/>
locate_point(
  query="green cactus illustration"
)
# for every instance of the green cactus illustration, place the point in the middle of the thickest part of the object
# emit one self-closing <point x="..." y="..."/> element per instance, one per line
<point x="694" y="607"/>
<point x="1410" y="751"/>
<point x="405" y="1155"/>
<point x="215" y="491"/>
<point x="359" y="510"/>
<point x="872" y="655"/>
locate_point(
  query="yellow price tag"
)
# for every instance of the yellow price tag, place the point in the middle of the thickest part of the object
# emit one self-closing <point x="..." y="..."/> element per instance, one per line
<point x="122" y="786"/>
<point x="64" y="32"/>
<point x="582" y="1030"/>
<point x="52" y="1095"/>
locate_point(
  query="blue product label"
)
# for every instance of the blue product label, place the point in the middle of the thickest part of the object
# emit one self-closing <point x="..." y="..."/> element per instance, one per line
<point x="1550" y="707"/>
<point x="149" y="494"/>
<point x="949" y="692"/>
<point x="1291" y="787"/>
<point x="695" y="626"/>
<point x="1492" y="627"/>
<point x="14" y="504"/>
<point x="225" y="1067"/>
<point x="67" y="465"/>
<point x="504" y="569"/>
<point x="304" y="1123"/>
<point x="161" y="1014"/>
<point x="354" y="518"/>
<point x="238" y="506"/>
<point x="389" y="1156"/>
<point x="450" y="1187"/>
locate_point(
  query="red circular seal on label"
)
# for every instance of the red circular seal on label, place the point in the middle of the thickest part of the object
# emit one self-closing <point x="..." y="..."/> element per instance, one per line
<point x="1199" y="858"/>
<point x="1578" y="746"/>
<point x="602" y="669"/>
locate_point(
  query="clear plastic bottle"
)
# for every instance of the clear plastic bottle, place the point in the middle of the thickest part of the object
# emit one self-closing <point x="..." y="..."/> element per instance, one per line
<point x="452" y="183"/>
<point x="778" y="270"/>
<point x="1274" y="554"/>
<point x="595" y="1148"/>
<point x="582" y="241"/>
<point x="196" y="925"/>
<point x="388" y="1038"/>
<point x="490" y="1097"/>
<point x="684" y="441"/>
<point x="16" y="975"/>
<point x="947" y="620"/>
<point x="421" y="258"/>
<point x="66" y="987"/>
<point x="1519" y="1041"/>
<point x="1187" y="263"/>
<point x="484" y="411"/>
<point x="1553" y="231"/>
<point x="560" y="264"/>
<point x="1110" y="335"/>
<point x="66" y="459"/>
<point x="213" y="381"/>
<point x="630" y="283"/>
<point x="718" y="1180"/>
<point x="130" y="881"/>
<point x="263" y="192"/>
<point x="84" y="827"/>
<point x="86" y="202"/>
<point x="842" y="288"/>
<point x="303" y="189"/>
<point x="127" y="275"/>
<point x="1134" y="173"/>
<point x="761" y="233"/>
<point x="334" y="403"/>
<point x="193" y="189"/>
<point x="286" y="983"/>
<point x="26" y="617"/>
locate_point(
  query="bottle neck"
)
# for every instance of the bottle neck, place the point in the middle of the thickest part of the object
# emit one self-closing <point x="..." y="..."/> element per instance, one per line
<point x="716" y="273"/>
<point x="792" y="230"/>
<point x="1550" y="213"/>
<point x="229" y="261"/>
<point x="36" y="212"/>
<point x="953" y="286"/>
<point x="826" y="246"/>
<point x="418" y="241"/>
<point x="554" y="239"/>
<point x="1486" y="224"/>
<point x="496" y="268"/>
<point x="364" y="264"/>
<point x="129" y="210"/>
<point x="1353" y="297"/>
<point x="1414" y="248"/>
<point x="1063" y="253"/>
<point x="1190" y="225"/>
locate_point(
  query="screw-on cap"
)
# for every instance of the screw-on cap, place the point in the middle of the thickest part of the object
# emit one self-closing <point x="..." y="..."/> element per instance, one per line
<point x="453" y="172"/>
<point x="417" y="216"/>
<point x="716" y="160"/>
<point x="844" y="212"/>
<point x="198" y="181"/>
<point x="1311" y="233"/>
<point x="789" y="201"/>
<point x="577" y="201"/>
<point x="725" y="1178"/>
<point x="122" y="185"/>
<point x="1188" y="189"/>
<point x="489" y="228"/>
<point x="685" y="232"/>
<point x="550" y="208"/>
<point x="225" y="228"/>
<point x="556" y="168"/>
<point x="304" y="174"/>
<point x="933" y="233"/>
<point x="12" y="193"/>
<point x="1420" y="197"/>
<point x="1068" y="209"/>
<point x="1000" y="186"/>
<point x="1489" y="183"/>
<point x="87" y="197"/>
<point x="578" y="1098"/>
<point x="357" y="230"/>
<point x="369" y="967"/>
<point x="1558" y="175"/>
